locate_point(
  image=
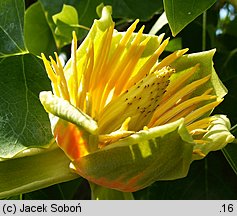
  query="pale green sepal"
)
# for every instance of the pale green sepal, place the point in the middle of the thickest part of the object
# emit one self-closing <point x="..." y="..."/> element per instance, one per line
<point x="217" y="137"/>
<point x="64" y="110"/>
<point x="135" y="162"/>
<point x="101" y="193"/>
<point x="25" y="174"/>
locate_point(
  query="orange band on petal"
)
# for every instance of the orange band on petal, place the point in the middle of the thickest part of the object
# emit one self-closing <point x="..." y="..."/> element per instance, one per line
<point x="122" y="184"/>
<point x="70" y="140"/>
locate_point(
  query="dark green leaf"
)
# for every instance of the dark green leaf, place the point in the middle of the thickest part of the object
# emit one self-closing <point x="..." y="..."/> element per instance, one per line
<point x="11" y="27"/>
<point x="66" y="22"/>
<point x="231" y="28"/>
<point x="38" y="35"/>
<point x="54" y="7"/>
<point x="135" y="10"/>
<point x="230" y="152"/>
<point x="86" y="10"/>
<point x="23" y="121"/>
<point x="180" y="13"/>
<point x="69" y="189"/>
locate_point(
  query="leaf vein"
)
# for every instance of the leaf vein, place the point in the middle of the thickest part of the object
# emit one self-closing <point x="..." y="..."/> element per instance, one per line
<point x="26" y="100"/>
<point x="19" y="22"/>
<point x="11" y="39"/>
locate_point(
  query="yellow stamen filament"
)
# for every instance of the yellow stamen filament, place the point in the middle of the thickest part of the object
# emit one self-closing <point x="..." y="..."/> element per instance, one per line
<point x="179" y="82"/>
<point x="127" y="57"/>
<point x="60" y="80"/>
<point x="203" y="123"/>
<point x="172" y="112"/>
<point x="100" y="70"/>
<point x="61" y="88"/>
<point x="89" y="62"/>
<point x="129" y="33"/>
<point x="208" y="91"/>
<point x="116" y="135"/>
<point x="201" y="111"/>
<point x="130" y="67"/>
<point x="118" y="53"/>
<point x="198" y="132"/>
<point x="73" y="81"/>
<point x="169" y="59"/>
<point x="52" y="76"/>
<point x="178" y="95"/>
<point x="50" y="72"/>
<point x="101" y="58"/>
<point x="87" y="71"/>
<point x="148" y="65"/>
<point x="62" y="77"/>
<point x="117" y="67"/>
<point x="88" y="104"/>
<point x="125" y="124"/>
<point x="82" y="91"/>
<point x="201" y="141"/>
<point x="199" y="152"/>
<point x="182" y="114"/>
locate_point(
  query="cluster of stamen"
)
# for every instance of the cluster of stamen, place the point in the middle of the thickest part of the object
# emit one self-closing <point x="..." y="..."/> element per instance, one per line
<point x="113" y="91"/>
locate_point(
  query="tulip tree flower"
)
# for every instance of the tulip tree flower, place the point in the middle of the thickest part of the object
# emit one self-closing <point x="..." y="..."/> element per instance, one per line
<point x="126" y="118"/>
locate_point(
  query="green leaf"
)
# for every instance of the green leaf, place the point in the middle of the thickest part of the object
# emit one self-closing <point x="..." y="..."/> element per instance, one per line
<point x="180" y="13"/>
<point x="11" y="27"/>
<point x="38" y="35"/>
<point x="130" y="10"/>
<point x="23" y="121"/>
<point x="67" y="15"/>
<point x="230" y="152"/>
<point x="66" y="21"/>
<point x="86" y="10"/>
<point x="55" y="7"/>
<point x="30" y="173"/>
<point x="135" y="162"/>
